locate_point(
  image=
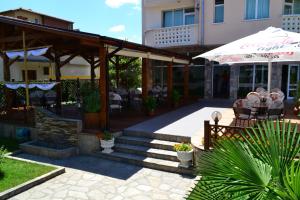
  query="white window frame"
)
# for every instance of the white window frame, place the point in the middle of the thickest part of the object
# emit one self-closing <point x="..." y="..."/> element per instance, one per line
<point x="187" y="14"/>
<point x="218" y="5"/>
<point x="289" y="4"/>
<point x="256" y="11"/>
<point x="173" y="18"/>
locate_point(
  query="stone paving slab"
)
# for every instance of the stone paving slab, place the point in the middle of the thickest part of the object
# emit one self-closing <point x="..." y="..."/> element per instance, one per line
<point x="93" y="178"/>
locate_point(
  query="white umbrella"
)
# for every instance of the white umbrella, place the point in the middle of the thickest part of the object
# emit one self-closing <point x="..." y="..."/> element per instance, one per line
<point x="270" y="45"/>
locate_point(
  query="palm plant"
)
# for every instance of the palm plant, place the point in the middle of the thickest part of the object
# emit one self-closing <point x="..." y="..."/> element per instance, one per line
<point x="260" y="166"/>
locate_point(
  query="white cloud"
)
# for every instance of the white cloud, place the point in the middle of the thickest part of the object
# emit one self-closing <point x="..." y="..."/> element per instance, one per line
<point x="132" y="38"/>
<point x="119" y="3"/>
<point x="117" y="28"/>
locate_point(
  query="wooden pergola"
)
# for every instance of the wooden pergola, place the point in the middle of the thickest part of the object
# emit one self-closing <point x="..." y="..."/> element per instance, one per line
<point x="97" y="50"/>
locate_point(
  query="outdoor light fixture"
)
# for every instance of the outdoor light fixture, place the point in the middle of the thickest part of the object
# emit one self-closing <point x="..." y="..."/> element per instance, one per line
<point x="216" y="116"/>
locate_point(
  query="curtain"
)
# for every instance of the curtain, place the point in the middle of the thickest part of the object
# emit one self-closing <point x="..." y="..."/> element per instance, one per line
<point x="168" y="19"/>
<point x="189" y="19"/>
<point x="178" y="17"/>
<point x="250" y="9"/>
<point x="263" y="8"/>
<point x="219" y="14"/>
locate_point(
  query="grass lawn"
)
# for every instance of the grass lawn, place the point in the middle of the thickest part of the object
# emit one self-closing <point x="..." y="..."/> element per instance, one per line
<point x="15" y="172"/>
<point x="9" y="144"/>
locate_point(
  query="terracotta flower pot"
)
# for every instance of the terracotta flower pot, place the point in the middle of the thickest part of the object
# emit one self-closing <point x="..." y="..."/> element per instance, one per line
<point x="107" y="145"/>
<point x="185" y="158"/>
<point x="150" y="113"/>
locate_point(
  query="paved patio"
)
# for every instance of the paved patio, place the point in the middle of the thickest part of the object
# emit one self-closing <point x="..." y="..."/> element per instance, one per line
<point x="92" y="178"/>
<point x="188" y="120"/>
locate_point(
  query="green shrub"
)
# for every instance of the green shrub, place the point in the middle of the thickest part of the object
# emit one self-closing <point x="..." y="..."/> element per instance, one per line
<point x="264" y="166"/>
<point x="183" y="147"/>
<point x="91" y="98"/>
<point x="107" y="135"/>
<point x="150" y="103"/>
<point x="176" y="96"/>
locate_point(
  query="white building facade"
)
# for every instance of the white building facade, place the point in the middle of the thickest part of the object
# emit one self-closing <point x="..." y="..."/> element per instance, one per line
<point x="192" y="27"/>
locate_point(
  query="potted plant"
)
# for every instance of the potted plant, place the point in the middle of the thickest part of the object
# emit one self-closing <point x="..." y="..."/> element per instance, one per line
<point x="184" y="154"/>
<point x="107" y="142"/>
<point x="176" y="98"/>
<point x="150" y="104"/>
<point x="91" y="106"/>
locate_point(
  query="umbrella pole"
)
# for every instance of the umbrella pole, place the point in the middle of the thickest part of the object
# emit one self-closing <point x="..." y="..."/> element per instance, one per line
<point x="269" y="75"/>
<point x="26" y="71"/>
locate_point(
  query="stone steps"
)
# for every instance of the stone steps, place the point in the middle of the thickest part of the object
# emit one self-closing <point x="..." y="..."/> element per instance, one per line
<point x="146" y="142"/>
<point x="158" y="136"/>
<point x="144" y="161"/>
<point x="146" y="151"/>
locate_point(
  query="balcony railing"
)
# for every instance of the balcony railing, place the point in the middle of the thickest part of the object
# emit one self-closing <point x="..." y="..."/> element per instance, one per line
<point x="291" y="23"/>
<point x="172" y="36"/>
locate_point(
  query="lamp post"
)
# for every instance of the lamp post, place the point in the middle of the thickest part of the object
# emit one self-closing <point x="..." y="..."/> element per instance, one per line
<point x="216" y="116"/>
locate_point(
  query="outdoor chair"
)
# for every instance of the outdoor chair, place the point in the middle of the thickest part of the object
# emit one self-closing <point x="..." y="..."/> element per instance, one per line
<point x="276" y="114"/>
<point x="36" y="97"/>
<point x="115" y="102"/>
<point x="50" y="98"/>
<point x="242" y="115"/>
<point x="260" y="90"/>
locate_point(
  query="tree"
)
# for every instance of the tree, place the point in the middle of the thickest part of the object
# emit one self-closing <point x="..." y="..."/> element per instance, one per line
<point x="130" y="72"/>
<point x="261" y="166"/>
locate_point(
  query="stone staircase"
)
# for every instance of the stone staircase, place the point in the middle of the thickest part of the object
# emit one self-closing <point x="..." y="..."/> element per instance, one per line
<point x="149" y="150"/>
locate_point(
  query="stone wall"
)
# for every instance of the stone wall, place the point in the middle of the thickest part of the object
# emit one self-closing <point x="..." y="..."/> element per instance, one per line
<point x="56" y="132"/>
<point x="208" y="70"/>
<point x="234" y="81"/>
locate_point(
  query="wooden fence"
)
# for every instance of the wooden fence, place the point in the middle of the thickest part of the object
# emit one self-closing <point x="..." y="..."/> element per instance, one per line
<point x="214" y="132"/>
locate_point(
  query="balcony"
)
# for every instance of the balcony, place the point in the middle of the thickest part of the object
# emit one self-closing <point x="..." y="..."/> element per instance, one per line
<point x="291" y="23"/>
<point x="173" y="36"/>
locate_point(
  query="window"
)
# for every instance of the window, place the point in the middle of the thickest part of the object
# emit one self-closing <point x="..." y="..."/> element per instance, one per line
<point x="46" y="70"/>
<point x="291" y="7"/>
<point x="219" y="11"/>
<point x="252" y="77"/>
<point x="31" y="75"/>
<point x="36" y="21"/>
<point x="257" y="9"/>
<point x="178" y="17"/>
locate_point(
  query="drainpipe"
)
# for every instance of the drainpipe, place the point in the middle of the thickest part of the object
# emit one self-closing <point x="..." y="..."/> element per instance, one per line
<point x="202" y="22"/>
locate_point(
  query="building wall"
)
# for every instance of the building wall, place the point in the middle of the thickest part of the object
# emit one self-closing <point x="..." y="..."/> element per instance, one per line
<point x="57" y="23"/>
<point x="77" y="68"/>
<point x="153" y="9"/>
<point x="30" y="16"/>
<point x="235" y="26"/>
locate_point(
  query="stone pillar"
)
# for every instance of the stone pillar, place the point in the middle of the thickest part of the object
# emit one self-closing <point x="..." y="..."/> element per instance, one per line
<point x="208" y="73"/>
<point x="186" y="82"/>
<point x="234" y="81"/>
<point x="276" y="80"/>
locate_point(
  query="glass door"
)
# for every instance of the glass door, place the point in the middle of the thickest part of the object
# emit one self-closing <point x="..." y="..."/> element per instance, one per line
<point x="293" y="78"/>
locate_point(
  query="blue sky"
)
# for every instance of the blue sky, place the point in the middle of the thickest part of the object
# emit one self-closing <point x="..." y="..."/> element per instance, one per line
<point x="115" y="18"/>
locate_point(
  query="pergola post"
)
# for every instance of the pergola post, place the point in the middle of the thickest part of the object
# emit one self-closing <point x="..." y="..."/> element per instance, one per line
<point x="93" y="75"/>
<point x="145" y="77"/>
<point x="117" y="71"/>
<point x="186" y="83"/>
<point x="6" y="68"/>
<point x="58" y="86"/>
<point x="169" y="81"/>
<point x="104" y="87"/>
